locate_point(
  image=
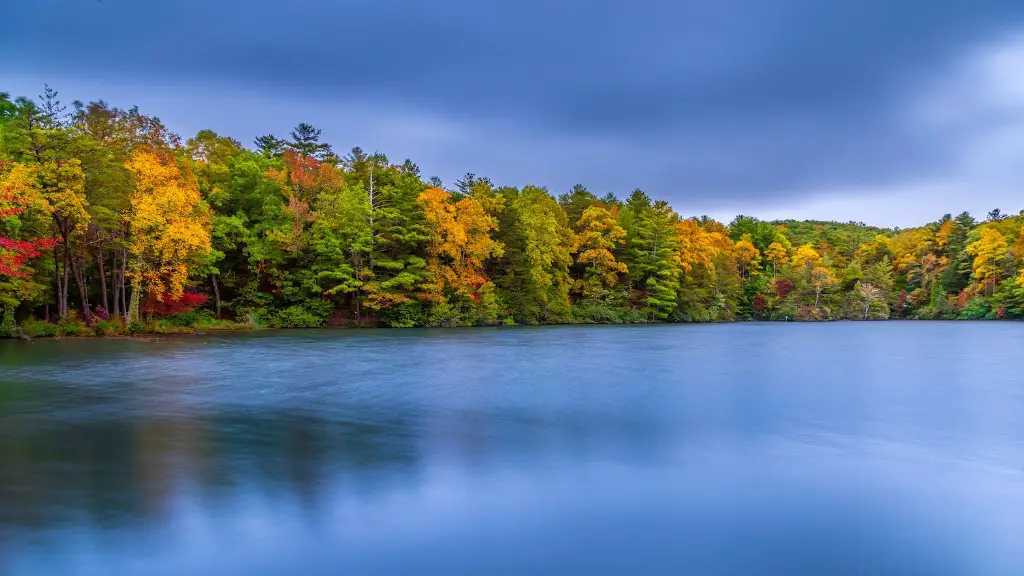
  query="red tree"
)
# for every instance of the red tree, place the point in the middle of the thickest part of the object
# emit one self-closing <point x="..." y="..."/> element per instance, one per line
<point x="15" y="254"/>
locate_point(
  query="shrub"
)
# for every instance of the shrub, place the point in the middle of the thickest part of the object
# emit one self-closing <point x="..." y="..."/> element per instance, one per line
<point x="72" y="325"/>
<point x="100" y="313"/>
<point x="404" y="315"/>
<point x="975" y="309"/>
<point x="38" y="329"/>
<point x="104" y="327"/>
<point x="311" y="314"/>
<point x="444" y="316"/>
<point x="7" y="327"/>
<point x="810" y="314"/>
<point x="596" y="312"/>
<point x="787" y="312"/>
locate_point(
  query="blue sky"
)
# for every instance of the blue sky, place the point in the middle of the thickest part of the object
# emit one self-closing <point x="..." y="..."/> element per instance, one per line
<point x="891" y="112"/>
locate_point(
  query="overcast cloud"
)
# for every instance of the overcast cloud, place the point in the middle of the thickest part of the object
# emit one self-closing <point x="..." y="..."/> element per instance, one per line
<point x="890" y="112"/>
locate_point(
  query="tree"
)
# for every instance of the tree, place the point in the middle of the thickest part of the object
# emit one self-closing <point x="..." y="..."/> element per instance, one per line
<point x="459" y="245"/>
<point x="869" y="294"/>
<point x="306" y="142"/>
<point x="539" y="243"/>
<point x="575" y="202"/>
<point x="170" y="227"/>
<point x="599" y="235"/>
<point x="19" y="195"/>
<point x="821" y="278"/>
<point x="748" y="257"/>
<point x="776" y="254"/>
<point x="806" y="257"/>
<point x="270" y="146"/>
<point x="996" y="215"/>
<point x="63" y="189"/>
<point x="989" y="251"/>
<point x="651" y="253"/>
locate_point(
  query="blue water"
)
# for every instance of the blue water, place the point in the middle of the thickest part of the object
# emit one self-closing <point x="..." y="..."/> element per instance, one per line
<point x="845" y="448"/>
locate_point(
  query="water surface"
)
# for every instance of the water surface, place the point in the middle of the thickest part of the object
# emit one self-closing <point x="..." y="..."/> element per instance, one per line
<point x="844" y="448"/>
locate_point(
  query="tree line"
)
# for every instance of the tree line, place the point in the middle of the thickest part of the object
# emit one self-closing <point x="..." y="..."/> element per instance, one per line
<point x="106" y="216"/>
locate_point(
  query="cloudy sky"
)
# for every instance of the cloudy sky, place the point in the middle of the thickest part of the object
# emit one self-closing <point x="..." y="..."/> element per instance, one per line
<point x="886" y="111"/>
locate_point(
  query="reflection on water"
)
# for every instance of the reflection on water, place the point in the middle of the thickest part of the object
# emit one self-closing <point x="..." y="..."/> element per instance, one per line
<point x="840" y="449"/>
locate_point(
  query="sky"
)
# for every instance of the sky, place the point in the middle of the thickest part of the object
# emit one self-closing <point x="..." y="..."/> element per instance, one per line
<point x="890" y="112"/>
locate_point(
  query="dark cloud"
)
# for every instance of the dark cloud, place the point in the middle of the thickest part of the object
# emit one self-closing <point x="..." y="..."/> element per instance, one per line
<point x="743" y="95"/>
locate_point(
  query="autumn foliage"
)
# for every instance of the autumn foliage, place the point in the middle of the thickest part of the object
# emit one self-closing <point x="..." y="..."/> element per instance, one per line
<point x="16" y="197"/>
<point x="105" y="211"/>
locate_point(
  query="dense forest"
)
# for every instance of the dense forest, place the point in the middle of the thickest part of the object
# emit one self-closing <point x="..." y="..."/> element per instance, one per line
<point x="111" y="223"/>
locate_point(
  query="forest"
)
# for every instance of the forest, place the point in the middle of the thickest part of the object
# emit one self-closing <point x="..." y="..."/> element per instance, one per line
<point x="112" y="224"/>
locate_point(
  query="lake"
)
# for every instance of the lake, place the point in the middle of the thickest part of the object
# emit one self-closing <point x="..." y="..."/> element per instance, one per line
<point x="841" y="448"/>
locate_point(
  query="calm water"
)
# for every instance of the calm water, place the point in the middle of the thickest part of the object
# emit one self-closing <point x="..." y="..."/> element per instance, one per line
<point x="848" y="448"/>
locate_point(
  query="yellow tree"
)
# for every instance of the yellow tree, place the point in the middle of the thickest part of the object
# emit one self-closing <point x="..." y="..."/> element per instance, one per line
<point x="696" y="249"/>
<point x="459" y="245"/>
<point x="988" y="250"/>
<point x="62" y="187"/>
<point x="599" y="234"/>
<point x="170" y="227"/>
<point x="748" y="257"/>
<point x="776" y="254"/>
<point x="943" y="234"/>
<point x="876" y="249"/>
<point x="806" y="257"/>
<point x="821" y="278"/>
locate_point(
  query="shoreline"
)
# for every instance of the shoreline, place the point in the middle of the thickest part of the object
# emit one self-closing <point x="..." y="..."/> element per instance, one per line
<point x="184" y="333"/>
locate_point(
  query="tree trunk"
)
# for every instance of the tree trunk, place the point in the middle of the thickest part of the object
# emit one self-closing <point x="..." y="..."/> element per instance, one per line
<point x="64" y="286"/>
<point x="79" y="275"/>
<point x="56" y="279"/>
<point x="115" y="286"/>
<point x="103" y="278"/>
<point x="121" y="280"/>
<point x="133" y="309"/>
<point x="817" y="296"/>
<point x="216" y="293"/>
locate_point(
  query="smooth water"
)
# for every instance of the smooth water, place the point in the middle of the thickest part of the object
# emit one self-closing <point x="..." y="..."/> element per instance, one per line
<point x="845" y="448"/>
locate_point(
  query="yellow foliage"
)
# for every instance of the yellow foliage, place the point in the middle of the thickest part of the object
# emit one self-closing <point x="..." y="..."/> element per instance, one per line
<point x="748" y="258"/>
<point x="170" y="225"/>
<point x="910" y="247"/>
<point x="806" y="256"/>
<point x="696" y="250"/>
<point x="988" y="250"/>
<point x="459" y="244"/>
<point x="599" y="233"/>
<point x="776" y="254"/>
<point x="945" y="231"/>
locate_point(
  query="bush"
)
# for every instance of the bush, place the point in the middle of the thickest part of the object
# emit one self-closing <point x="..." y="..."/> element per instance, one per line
<point x="7" y="327"/>
<point x="38" y="329"/>
<point x="72" y="325"/>
<point x="106" y="328"/>
<point x="135" y="328"/>
<point x="976" y="309"/>
<point x="595" y="312"/>
<point x="810" y="314"/>
<point x="164" y="326"/>
<point x="404" y="315"/>
<point x="208" y="322"/>
<point x="444" y="316"/>
<point x="311" y="314"/>
<point x="787" y="312"/>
